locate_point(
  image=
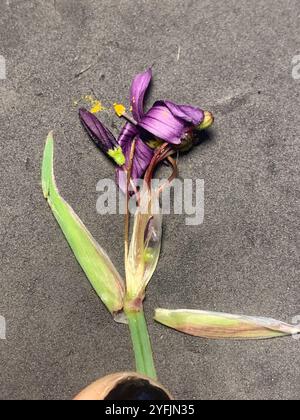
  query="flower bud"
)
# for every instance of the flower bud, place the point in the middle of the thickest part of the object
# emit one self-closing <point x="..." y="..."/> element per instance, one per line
<point x="102" y="137"/>
<point x="207" y="122"/>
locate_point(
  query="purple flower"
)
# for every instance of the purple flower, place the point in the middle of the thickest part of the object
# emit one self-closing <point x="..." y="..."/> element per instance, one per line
<point x="165" y="120"/>
<point x="101" y="136"/>
<point x="119" y="150"/>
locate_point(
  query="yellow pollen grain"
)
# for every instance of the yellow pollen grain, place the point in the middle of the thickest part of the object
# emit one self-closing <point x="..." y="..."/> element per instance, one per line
<point x="97" y="108"/>
<point x="96" y="105"/>
<point x="119" y="109"/>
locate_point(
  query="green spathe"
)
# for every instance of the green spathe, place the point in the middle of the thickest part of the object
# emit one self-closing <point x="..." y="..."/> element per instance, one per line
<point x="95" y="263"/>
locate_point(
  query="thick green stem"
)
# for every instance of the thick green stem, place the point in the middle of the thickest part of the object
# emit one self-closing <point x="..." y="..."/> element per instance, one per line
<point x="135" y="313"/>
<point x="141" y="343"/>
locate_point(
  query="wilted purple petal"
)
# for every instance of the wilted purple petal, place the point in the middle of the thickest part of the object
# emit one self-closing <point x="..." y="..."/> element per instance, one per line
<point x="101" y="135"/>
<point x="142" y="156"/>
<point x="137" y="93"/>
<point x="128" y="133"/>
<point x="143" y="153"/>
<point x="160" y="122"/>
<point x="121" y="179"/>
<point x="188" y="113"/>
<point x="169" y="121"/>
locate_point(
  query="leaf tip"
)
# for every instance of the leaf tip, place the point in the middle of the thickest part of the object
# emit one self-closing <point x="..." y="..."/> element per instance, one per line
<point x="159" y="314"/>
<point x="47" y="166"/>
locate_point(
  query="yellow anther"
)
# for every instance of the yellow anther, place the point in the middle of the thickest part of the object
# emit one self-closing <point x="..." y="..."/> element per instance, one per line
<point x="119" y="109"/>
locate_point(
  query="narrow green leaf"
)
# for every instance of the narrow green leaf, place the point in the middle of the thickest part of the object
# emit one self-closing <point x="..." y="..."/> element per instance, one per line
<point x="94" y="261"/>
<point x="223" y="326"/>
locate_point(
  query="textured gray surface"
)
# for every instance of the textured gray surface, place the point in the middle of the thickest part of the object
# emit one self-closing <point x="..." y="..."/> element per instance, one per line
<point x="235" y="60"/>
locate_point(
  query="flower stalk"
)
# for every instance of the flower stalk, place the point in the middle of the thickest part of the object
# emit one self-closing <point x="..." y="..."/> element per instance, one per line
<point x="141" y="342"/>
<point x="127" y="216"/>
<point x="133" y="308"/>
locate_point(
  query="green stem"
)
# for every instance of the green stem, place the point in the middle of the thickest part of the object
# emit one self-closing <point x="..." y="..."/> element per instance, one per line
<point x="141" y="343"/>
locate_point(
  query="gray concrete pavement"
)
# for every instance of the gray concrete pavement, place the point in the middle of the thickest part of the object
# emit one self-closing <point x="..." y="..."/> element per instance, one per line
<point x="235" y="59"/>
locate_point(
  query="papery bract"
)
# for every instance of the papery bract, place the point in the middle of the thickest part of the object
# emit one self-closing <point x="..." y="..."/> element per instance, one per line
<point x="145" y="245"/>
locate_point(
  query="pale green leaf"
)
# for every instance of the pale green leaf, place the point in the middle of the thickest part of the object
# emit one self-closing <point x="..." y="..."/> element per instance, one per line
<point x="97" y="266"/>
<point x="215" y="325"/>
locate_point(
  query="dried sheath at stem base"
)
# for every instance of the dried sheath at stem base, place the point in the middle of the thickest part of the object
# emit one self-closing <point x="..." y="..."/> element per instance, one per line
<point x="145" y="245"/>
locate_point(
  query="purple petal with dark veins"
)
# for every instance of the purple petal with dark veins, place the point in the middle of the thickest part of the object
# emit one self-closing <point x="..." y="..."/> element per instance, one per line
<point x="138" y="89"/>
<point x="188" y="113"/>
<point x="169" y="121"/>
<point x="100" y="135"/>
<point x="160" y="122"/>
<point x="121" y="179"/>
<point x="128" y="133"/>
<point x="142" y="157"/>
